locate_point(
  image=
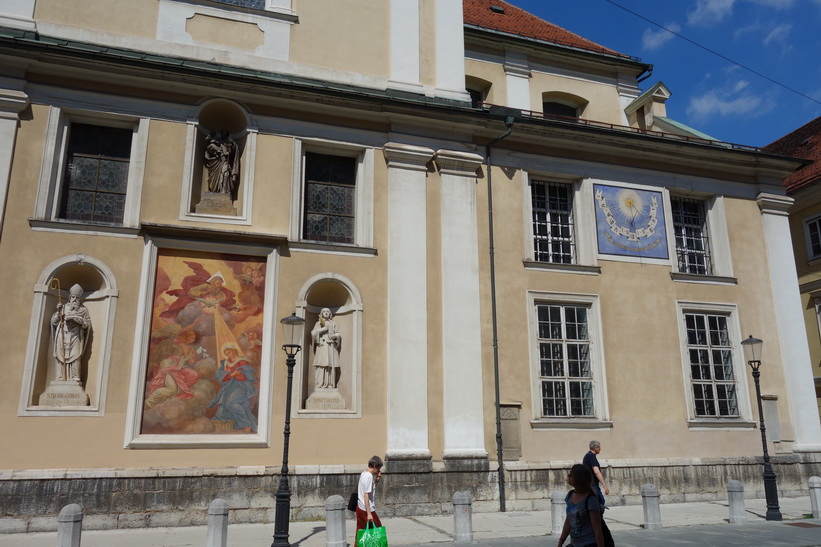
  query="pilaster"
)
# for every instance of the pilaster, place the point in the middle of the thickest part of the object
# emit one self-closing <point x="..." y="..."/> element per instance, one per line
<point x="407" y="399"/>
<point x="404" y="54"/>
<point x="463" y="407"/>
<point x="13" y="100"/>
<point x="517" y="74"/>
<point x="795" y="353"/>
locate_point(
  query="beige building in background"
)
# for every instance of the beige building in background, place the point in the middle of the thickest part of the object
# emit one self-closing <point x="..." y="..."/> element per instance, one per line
<point x="601" y="291"/>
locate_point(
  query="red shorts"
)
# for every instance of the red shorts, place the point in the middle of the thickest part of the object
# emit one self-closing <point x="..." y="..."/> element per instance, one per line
<point x="362" y="521"/>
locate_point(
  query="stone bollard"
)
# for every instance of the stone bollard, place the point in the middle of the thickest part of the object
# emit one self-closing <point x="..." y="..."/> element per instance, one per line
<point x="335" y="524"/>
<point x="652" y="510"/>
<point x="462" y="517"/>
<point x="70" y="526"/>
<point x="815" y="496"/>
<point x="735" y="499"/>
<point x="217" y="524"/>
<point x="558" y="508"/>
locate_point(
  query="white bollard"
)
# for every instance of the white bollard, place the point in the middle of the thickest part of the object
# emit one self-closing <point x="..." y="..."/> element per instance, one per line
<point x="815" y="496"/>
<point x="217" y="524"/>
<point x="462" y="517"/>
<point x="335" y="525"/>
<point x="70" y="526"/>
<point x="735" y="499"/>
<point x="652" y="510"/>
<point x="558" y="508"/>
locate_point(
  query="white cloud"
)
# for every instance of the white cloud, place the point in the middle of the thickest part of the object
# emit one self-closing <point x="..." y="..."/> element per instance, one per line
<point x="739" y="85"/>
<point x="778" y="4"/>
<point x="710" y="11"/>
<point x="711" y="104"/>
<point x="651" y="39"/>
<point x="780" y="33"/>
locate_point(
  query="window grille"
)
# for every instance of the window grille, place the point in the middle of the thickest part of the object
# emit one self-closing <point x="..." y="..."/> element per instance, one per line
<point x="712" y="375"/>
<point x="814" y="230"/>
<point x="553" y="234"/>
<point x="330" y="184"/>
<point x="692" y="241"/>
<point x="566" y="375"/>
<point x="95" y="181"/>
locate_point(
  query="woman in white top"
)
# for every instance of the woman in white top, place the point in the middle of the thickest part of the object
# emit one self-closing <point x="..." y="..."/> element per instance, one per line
<point x="365" y="507"/>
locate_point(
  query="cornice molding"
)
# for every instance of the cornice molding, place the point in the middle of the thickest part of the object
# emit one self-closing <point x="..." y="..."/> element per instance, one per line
<point x="407" y="156"/>
<point x="464" y="164"/>
<point x="774" y="204"/>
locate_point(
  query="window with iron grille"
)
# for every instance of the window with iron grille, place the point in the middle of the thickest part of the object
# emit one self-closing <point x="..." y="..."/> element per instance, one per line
<point x="565" y="367"/>
<point x="712" y="373"/>
<point x="692" y="241"/>
<point x="552" y="108"/>
<point x="95" y="181"/>
<point x="553" y="234"/>
<point x="814" y="237"/>
<point x="330" y="191"/>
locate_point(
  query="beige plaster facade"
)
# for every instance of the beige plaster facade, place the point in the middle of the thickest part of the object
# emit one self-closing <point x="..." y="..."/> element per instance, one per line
<point x="318" y="79"/>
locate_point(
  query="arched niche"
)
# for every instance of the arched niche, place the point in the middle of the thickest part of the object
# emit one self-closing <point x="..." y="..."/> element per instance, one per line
<point x="99" y="296"/>
<point x="336" y="292"/>
<point x="220" y="121"/>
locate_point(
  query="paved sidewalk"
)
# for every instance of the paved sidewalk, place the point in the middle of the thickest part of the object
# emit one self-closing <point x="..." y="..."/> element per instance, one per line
<point x="702" y="524"/>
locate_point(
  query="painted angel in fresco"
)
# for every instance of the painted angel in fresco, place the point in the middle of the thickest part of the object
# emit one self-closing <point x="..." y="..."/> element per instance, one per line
<point x="237" y="379"/>
<point x="201" y="298"/>
<point x="172" y="374"/>
<point x="251" y="276"/>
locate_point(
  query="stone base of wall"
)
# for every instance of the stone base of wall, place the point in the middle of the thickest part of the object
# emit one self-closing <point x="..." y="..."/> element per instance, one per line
<point x="30" y="500"/>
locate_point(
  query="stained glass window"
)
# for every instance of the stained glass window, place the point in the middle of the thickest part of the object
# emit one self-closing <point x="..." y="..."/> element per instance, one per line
<point x="96" y="175"/>
<point x="330" y="184"/>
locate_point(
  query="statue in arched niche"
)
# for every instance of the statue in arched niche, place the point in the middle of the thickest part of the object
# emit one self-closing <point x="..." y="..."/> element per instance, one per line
<point x="222" y="162"/>
<point x="327" y="344"/>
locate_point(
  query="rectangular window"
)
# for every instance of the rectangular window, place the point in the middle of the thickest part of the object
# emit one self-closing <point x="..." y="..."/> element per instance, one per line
<point x="692" y="242"/>
<point x="565" y="366"/>
<point x="814" y="237"/>
<point x="95" y="180"/>
<point x="712" y="375"/>
<point x="553" y="235"/>
<point x="330" y="192"/>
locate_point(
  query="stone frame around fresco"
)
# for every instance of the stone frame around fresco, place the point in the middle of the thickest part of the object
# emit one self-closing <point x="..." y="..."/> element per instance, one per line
<point x="134" y="438"/>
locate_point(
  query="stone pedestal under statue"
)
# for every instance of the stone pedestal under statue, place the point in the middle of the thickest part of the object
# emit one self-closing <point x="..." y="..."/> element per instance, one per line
<point x="63" y="393"/>
<point x="325" y="399"/>
<point x="213" y="203"/>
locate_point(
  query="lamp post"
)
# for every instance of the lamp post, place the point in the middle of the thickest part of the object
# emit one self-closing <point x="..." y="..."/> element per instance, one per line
<point x="752" y="352"/>
<point x="292" y="335"/>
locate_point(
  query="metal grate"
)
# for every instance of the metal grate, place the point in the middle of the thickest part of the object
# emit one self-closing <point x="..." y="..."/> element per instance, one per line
<point x="552" y="206"/>
<point x="692" y="241"/>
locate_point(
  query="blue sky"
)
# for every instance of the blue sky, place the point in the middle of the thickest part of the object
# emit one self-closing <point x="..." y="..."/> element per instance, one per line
<point x="780" y="39"/>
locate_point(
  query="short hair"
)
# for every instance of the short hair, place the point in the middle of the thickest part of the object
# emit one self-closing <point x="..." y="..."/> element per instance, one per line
<point x="375" y="462"/>
<point x="594" y="444"/>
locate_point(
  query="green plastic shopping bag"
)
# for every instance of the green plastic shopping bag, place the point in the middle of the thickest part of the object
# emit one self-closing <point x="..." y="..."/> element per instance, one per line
<point x="371" y="536"/>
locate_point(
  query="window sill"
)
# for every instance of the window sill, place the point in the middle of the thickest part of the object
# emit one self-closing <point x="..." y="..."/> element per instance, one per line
<point x="571" y="423"/>
<point x="699" y="278"/>
<point x="720" y="423"/>
<point x="332" y="248"/>
<point x="561" y="268"/>
<point x="88" y="228"/>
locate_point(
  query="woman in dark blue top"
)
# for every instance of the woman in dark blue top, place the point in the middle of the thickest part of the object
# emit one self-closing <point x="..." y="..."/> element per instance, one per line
<point x="583" y="522"/>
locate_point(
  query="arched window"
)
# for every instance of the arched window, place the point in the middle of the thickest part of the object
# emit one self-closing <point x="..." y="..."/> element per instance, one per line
<point x="560" y="105"/>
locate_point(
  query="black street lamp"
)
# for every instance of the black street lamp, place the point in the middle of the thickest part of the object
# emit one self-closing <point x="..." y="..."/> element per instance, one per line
<point x="752" y="352"/>
<point x="292" y="335"/>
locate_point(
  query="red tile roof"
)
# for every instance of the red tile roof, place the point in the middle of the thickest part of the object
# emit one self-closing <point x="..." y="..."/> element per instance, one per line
<point x="513" y="20"/>
<point x="804" y="142"/>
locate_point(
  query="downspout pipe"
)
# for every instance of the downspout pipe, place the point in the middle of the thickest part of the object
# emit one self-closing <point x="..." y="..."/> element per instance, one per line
<point x="510" y="118"/>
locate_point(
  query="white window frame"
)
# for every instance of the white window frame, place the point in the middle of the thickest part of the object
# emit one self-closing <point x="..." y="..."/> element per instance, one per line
<point x="50" y="188"/>
<point x="744" y="418"/>
<point x="584" y="224"/>
<point x="718" y="238"/>
<point x="812" y="220"/>
<point x="600" y="400"/>
<point x="363" y="221"/>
